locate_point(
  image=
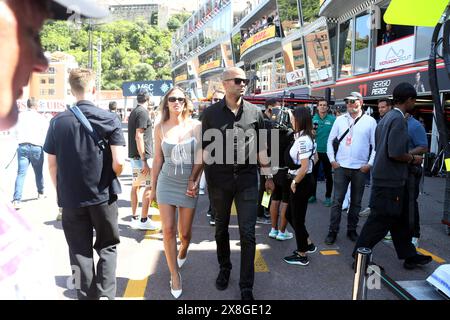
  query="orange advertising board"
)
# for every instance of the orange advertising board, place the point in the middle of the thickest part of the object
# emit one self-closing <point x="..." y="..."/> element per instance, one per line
<point x="181" y="77"/>
<point x="210" y="65"/>
<point x="257" y="38"/>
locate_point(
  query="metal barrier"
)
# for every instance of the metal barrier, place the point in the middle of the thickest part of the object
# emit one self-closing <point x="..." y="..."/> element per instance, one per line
<point x="363" y="257"/>
<point x="365" y="268"/>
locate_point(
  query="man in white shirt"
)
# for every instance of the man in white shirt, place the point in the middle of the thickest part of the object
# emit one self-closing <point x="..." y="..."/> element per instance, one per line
<point x="30" y="134"/>
<point x="351" y="162"/>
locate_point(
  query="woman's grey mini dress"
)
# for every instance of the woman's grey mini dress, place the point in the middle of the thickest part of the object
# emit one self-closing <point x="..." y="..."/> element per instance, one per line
<point x="174" y="175"/>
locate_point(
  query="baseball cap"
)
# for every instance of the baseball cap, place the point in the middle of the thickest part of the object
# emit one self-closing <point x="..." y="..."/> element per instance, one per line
<point x="354" y="95"/>
<point x="63" y="9"/>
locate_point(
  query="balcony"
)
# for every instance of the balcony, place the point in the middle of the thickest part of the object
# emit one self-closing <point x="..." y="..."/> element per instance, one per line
<point x="210" y="67"/>
<point x="336" y="8"/>
<point x="261" y="43"/>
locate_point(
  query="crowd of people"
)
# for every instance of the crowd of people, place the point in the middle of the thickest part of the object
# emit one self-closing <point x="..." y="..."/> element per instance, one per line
<point x="85" y="150"/>
<point x="261" y="24"/>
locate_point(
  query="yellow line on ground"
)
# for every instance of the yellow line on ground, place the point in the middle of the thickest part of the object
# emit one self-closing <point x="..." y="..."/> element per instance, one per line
<point x="427" y="253"/>
<point x="260" y="263"/>
<point x="329" y="252"/>
<point x="135" y="288"/>
<point x="233" y="209"/>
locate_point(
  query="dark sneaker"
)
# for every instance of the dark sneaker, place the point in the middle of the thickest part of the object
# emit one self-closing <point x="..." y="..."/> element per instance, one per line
<point x="352" y="235"/>
<point x="311" y="248"/>
<point x="222" y="279"/>
<point x="331" y="238"/>
<point x="416" y="261"/>
<point x="247" y="295"/>
<point x="327" y="202"/>
<point x="297" y="260"/>
<point x="312" y="199"/>
<point x="212" y="221"/>
<point x="263" y="220"/>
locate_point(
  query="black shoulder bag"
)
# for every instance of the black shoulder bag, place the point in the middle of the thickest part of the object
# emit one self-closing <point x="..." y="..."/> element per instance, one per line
<point x="336" y="142"/>
<point x="100" y="142"/>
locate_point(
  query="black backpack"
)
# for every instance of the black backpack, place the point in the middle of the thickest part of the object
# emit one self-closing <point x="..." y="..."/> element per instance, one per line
<point x="287" y="157"/>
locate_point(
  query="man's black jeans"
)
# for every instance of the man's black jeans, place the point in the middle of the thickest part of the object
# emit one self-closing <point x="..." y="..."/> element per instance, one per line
<point x="78" y="224"/>
<point x="246" y="205"/>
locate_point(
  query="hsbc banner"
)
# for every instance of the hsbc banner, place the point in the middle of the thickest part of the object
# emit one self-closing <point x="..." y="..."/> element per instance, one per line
<point x="395" y="53"/>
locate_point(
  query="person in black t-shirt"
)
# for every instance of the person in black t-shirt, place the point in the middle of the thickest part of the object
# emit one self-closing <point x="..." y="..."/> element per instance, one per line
<point x="389" y="200"/>
<point x="140" y="152"/>
<point x="87" y="186"/>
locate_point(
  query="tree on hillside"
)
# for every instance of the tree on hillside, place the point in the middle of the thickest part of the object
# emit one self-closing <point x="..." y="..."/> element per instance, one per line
<point x="131" y="51"/>
<point x="177" y="20"/>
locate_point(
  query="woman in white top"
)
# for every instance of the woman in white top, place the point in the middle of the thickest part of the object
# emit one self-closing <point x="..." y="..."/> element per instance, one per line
<point x="177" y="141"/>
<point x="303" y="153"/>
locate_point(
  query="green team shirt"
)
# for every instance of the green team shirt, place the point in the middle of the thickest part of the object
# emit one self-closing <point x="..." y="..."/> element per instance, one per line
<point x="323" y="130"/>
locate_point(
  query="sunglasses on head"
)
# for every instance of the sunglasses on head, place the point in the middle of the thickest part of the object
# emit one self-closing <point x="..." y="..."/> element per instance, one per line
<point x="238" y="81"/>
<point x="173" y="99"/>
<point x="350" y="101"/>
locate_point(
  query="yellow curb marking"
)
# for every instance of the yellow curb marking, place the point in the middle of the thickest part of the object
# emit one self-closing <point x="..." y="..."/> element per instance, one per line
<point x="233" y="209"/>
<point x="260" y="263"/>
<point x="427" y="253"/>
<point x="135" y="288"/>
<point x="329" y="252"/>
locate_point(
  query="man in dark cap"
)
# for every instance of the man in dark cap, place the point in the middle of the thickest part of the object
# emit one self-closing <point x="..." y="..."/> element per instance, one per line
<point x="389" y="201"/>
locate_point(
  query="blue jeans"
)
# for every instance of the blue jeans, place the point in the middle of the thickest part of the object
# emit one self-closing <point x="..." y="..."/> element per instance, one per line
<point x="26" y="154"/>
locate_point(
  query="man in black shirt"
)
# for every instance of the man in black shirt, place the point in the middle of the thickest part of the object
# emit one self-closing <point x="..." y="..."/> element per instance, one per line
<point x="87" y="186"/>
<point x="389" y="200"/>
<point x="140" y="152"/>
<point x="232" y="174"/>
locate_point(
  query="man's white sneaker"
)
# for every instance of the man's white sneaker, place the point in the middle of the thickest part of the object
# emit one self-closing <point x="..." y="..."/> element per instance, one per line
<point x="284" y="236"/>
<point x="201" y="192"/>
<point x="365" y="212"/>
<point x="415" y="242"/>
<point x="273" y="233"/>
<point x="147" y="225"/>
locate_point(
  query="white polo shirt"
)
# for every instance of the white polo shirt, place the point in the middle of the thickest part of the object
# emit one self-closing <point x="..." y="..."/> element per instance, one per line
<point x="354" y="149"/>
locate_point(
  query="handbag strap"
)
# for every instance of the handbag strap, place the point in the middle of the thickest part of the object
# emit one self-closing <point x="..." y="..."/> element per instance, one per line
<point x="100" y="142"/>
<point x="345" y="133"/>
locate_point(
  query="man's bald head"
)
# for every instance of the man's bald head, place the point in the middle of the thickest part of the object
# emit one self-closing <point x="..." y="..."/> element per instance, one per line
<point x="233" y="72"/>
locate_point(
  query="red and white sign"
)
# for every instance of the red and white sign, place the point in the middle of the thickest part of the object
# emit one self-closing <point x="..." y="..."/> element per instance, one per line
<point x="395" y="53"/>
<point x="295" y="75"/>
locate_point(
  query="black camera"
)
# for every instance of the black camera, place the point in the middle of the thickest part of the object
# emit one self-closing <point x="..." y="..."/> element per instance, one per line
<point x="281" y="118"/>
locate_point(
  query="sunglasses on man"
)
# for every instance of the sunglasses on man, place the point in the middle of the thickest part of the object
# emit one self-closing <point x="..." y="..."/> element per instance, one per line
<point x="238" y="81"/>
<point x="173" y="99"/>
<point x="350" y="101"/>
<point x="216" y="100"/>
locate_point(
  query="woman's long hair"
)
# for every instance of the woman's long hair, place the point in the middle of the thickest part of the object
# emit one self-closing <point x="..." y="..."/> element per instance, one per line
<point x="164" y="106"/>
<point x="303" y="121"/>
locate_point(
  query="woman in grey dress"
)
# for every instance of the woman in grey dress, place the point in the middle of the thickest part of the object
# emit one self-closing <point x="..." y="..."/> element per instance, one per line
<point x="177" y="146"/>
